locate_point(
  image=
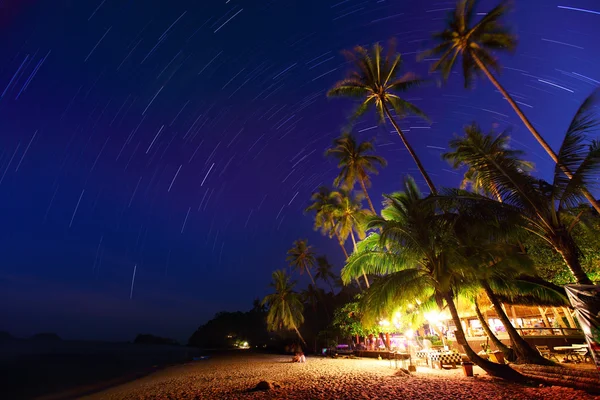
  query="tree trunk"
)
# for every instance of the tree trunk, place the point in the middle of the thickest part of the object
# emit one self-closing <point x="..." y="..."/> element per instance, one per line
<point x="509" y="353"/>
<point x="591" y="199"/>
<point x="499" y="370"/>
<point x="568" y="251"/>
<point x="364" y="275"/>
<point x="300" y="336"/>
<point x="525" y="354"/>
<point x="310" y="276"/>
<point x="364" y="188"/>
<point x="410" y="150"/>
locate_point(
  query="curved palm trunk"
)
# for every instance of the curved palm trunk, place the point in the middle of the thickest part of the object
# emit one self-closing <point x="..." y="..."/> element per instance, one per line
<point x="499" y="370"/>
<point x="525" y="353"/>
<point x="363" y="271"/>
<point x="337" y="235"/>
<point x="364" y="188"/>
<point x="532" y="129"/>
<point x="568" y="250"/>
<point x="509" y="353"/>
<point x="311" y="277"/>
<point x="300" y="336"/>
<point x="410" y="150"/>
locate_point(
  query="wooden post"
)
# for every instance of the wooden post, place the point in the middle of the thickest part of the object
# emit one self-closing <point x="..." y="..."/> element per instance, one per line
<point x="558" y="317"/>
<point x="572" y="323"/>
<point x="514" y="315"/>
<point x="544" y="317"/>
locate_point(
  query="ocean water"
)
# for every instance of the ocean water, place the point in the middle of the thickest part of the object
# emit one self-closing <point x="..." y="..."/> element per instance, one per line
<point x="34" y="368"/>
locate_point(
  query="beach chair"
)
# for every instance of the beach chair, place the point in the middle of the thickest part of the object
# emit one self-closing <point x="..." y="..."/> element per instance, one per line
<point x="547" y="353"/>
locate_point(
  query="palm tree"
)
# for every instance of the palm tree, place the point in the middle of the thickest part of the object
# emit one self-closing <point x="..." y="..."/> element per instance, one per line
<point x="311" y="296"/>
<point x="285" y="307"/>
<point x="499" y="145"/>
<point x="476" y="43"/>
<point x="351" y="218"/>
<point x="541" y="206"/>
<point x="324" y="205"/>
<point x="375" y="81"/>
<point x="325" y="271"/>
<point x="419" y="256"/>
<point x="355" y="162"/>
<point x="301" y="258"/>
<point x="509" y="353"/>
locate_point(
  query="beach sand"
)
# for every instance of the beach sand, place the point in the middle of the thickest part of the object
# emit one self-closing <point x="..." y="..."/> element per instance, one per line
<point x="230" y="377"/>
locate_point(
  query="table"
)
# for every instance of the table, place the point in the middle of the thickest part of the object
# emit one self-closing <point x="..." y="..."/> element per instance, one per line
<point x="574" y="352"/>
<point x="440" y="358"/>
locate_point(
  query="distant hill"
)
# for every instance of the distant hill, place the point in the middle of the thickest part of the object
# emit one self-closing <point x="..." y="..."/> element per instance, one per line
<point x="151" y="339"/>
<point x="5" y="335"/>
<point x="46" y="336"/>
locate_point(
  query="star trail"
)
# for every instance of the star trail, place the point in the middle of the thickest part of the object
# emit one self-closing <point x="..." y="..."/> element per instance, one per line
<point x="173" y="145"/>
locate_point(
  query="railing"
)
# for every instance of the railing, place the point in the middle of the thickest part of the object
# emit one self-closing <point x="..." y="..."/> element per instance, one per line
<point x="549" y="331"/>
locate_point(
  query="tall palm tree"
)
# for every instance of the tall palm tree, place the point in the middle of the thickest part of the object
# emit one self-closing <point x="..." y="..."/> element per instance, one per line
<point x="541" y="206"/>
<point x="285" y="307"/>
<point x="375" y="80"/>
<point x="476" y="42"/>
<point x="301" y="258"/>
<point x="499" y="145"/>
<point x="351" y="218"/>
<point x="324" y="205"/>
<point x="311" y="296"/>
<point x="420" y="259"/>
<point x="325" y="271"/>
<point x="356" y="162"/>
<point x="507" y="351"/>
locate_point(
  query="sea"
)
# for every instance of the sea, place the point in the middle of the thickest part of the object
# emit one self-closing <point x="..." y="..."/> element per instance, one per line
<point x="59" y="369"/>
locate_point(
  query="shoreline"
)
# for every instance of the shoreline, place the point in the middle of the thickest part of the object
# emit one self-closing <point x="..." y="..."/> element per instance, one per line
<point x="232" y="376"/>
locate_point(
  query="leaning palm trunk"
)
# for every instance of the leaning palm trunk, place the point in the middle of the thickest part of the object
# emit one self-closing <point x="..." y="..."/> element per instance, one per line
<point x="525" y="354"/>
<point x="300" y="336"/>
<point x="532" y="129"/>
<point x="567" y="248"/>
<point x="509" y="353"/>
<point x="363" y="271"/>
<point x="364" y="188"/>
<point x="410" y="150"/>
<point x="337" y="235"/>
<point x="499" y="370"/>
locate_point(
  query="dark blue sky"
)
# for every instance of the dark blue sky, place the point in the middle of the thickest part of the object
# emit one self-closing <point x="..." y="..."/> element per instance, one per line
<point x="186" y="139"/>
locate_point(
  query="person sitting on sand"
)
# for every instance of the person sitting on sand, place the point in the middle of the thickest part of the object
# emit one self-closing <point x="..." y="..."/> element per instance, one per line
<point x="299" y="357"/>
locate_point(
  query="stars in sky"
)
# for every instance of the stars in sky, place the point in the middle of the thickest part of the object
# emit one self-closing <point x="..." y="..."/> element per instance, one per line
<point x="188" y="136"/>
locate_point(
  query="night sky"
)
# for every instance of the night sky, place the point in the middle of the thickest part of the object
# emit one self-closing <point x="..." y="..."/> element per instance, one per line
<point x="185" y="137"/>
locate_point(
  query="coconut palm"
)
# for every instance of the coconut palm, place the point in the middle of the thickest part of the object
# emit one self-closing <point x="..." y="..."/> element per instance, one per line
<point x="351" y="218"/>
<point x="356" y="162"/>
<point x="541" y="206"/>
<point x="325" y="271"/>
<point x="375" y="80"/>
<point x="476" y="42"/>
<point x="419" y="257"/>
<point x="498" y="145"/>
<point x="324" y="205"/>
<point x="285" y="307"/>
<point x="311" y="296"/>
<point x="301" y="258"/>
<point x="509" y="353"/>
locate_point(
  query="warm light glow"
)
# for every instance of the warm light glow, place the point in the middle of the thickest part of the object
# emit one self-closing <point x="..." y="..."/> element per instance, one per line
<point x="432" y="317"/>
<point x="409" y="333"/>
<point x="384" y="322"/>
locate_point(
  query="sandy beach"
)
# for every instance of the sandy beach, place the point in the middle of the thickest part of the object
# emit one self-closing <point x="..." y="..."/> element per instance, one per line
<point x="231" y="377"/>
